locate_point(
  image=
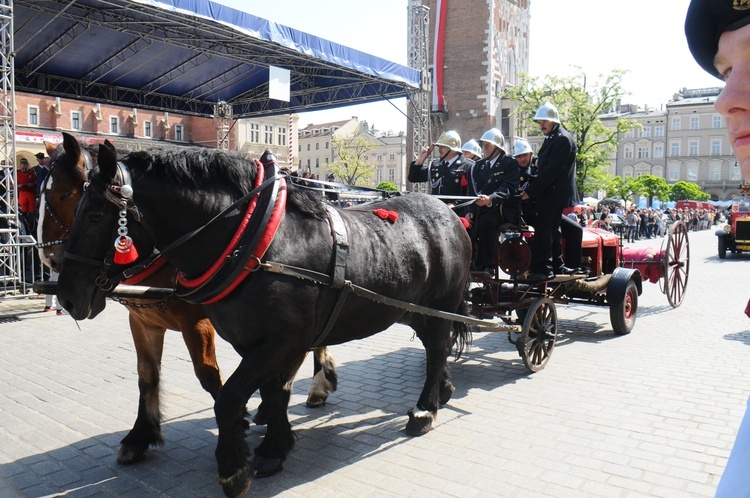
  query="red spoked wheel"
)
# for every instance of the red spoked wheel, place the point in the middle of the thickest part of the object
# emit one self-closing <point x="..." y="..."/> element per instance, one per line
<point x="676" y="264"/>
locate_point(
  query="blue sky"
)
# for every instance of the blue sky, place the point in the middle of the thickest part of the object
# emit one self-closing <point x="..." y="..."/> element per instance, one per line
<point x="645" y="37"/>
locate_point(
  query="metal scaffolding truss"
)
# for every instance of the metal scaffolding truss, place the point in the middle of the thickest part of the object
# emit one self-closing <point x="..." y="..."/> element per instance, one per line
<point x="13" y="245"/>
<point x="419" y="21"/>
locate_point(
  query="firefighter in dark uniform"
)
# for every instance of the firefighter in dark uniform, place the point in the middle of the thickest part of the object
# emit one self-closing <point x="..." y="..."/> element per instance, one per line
<point x="552" y="191"/>
<point x="444" y="174"/>
<point x="571" y="231"/>
<point x="494" y="181"/>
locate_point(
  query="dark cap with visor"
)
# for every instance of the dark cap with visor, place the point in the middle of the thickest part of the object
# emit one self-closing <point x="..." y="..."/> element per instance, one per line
<point x="706" y="20"/>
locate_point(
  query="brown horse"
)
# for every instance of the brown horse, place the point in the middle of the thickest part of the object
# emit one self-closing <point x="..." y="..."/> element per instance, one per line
<point x="149" y="319"/>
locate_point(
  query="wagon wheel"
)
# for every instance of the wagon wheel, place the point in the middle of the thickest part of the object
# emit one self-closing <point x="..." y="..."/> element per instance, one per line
<point x="539" y="332"/>
<point x="622" y="315"/>
<point x="676" y="264"/>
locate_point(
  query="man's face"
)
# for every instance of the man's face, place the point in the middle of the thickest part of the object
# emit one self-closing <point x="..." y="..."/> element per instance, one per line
<point x="524" y="159"/>
<point x="733" y="63"/>
<point x="546" y="126"/>
<point x="23" y="165"/>
<point x="487" y="149"/>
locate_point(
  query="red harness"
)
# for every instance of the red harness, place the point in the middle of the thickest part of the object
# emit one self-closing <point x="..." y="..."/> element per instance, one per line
<point x="252" y="262"/>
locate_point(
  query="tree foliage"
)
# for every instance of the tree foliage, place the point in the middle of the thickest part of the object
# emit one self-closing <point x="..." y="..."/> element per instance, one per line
<point x="687" y="191"/>
<point x="651" y="186"/>
<point x="350" y="164"/>
<point x="580" y="104"/>
<point x="387" y="186"/>
<point x="624" y="188"/>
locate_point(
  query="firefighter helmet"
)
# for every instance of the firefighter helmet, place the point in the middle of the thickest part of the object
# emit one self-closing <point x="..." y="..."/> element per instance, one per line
<point x="521" y="146"/>
<point x="548" y="112"/>
<point x="473" y="147"/>
<point x="495" y="137"/>
<point x="449" y="139"/>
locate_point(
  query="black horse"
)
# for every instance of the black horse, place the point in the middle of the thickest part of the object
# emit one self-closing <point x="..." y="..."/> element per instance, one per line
<point x="289" y="290"/>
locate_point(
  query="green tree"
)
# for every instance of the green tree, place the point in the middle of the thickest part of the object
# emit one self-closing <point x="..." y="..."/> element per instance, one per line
<point x="652" y="186"/>
<point x="687" y="191"/>
<point x="387" y="186"/>
<point x="350" y="164"/>
<point x="624" y="188"/>
<point x="580" y="104"/>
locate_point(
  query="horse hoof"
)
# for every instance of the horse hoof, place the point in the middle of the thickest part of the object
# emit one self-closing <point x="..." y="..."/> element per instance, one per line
<point x="129" y="455"/>
<point x="446" y="394"/>
<point x="238" y="484"/>
<point x="419" y="423"/>
<point x="316" y="400"/>
<point x="266" y="467"/>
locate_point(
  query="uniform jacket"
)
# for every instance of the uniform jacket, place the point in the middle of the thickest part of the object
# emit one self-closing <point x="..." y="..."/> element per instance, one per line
<point x="498" y="180"/>
<point x="555" y="185"/>
<point x="444" y="179"/>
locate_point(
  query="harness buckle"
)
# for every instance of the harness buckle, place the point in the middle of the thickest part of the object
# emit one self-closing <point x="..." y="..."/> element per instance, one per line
<point x="270" y="266"/>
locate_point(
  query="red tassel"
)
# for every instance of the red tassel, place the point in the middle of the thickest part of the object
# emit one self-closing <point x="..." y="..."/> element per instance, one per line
<point x="381" y="213"/>
<point x="126" y="253"/>
<point x="466" y="223"/>
<point x="392" y="216"/>
<point x="464" y="181"/>
<point x="747" y="309"/>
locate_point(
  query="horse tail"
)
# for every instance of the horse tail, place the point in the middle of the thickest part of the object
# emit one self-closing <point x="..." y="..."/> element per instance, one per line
<point x="460" y="332"/>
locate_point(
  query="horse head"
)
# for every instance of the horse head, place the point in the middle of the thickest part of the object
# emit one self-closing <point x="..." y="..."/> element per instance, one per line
<point x="61" y="190"/>
<point x="106" y="222"/>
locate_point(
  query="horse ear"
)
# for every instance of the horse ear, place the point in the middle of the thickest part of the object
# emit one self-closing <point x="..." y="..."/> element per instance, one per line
<point x="50" y="148"/>
<point x="71" y="146"/>
<point x="110" y="145"/>
<point x="107" y="160"/>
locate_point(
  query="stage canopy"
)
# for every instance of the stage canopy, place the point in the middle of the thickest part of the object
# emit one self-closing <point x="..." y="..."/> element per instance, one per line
<point x="186" y="56"/>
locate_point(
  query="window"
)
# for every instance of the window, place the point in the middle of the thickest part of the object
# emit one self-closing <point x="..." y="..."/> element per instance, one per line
<point x="308" y="146"/>
<point x="33" y="115"/>
<point x="148" y="131"/>
<point x="646" y="131"/>
<point x="391" y="174"/>
<point x="692" y="172"/>
<point x="643" y="152"/>
<point x="75" y="120"/>
<point x="693" y="148"/>
<point x="676" y="123"/>
<point x="380" y="158"/>
<point x="317" y="145"/>
<point x="317" y="162"/>
<point x="378" y="176"/>
<point x="674" y="149"/>
<point x="674" y="172"/>
<point x="178" y="133"/>
<point x="714" y="172"/>
<point x="114" y="125"/>
<point x="392" y="157"/>
<point x="326" y="145"/>
<point x="715" y="146"/>
<point x="735" y="172"/>
<point x="268" y="134"/>
<point x="255" y="133"/>
<point x="694" y="122"/>
<point x="629" y="134"/>
<point x="326" y="160"/>
<point x="658" y="151"/>
<point x="628" y="152"/>
<point x="280" y="136"/>
<point x="658" y="131"/>
<point x="716" y="121"/>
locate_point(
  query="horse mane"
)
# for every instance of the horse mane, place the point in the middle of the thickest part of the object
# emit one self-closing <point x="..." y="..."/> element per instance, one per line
<point x="196" y="167"/>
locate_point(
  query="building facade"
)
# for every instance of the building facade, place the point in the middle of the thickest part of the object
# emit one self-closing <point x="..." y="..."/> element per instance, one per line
<point x="387" y="156"/>
<point x="478" y="50"/>
<point x="686" y="141"/>
<point x="275" y="133"/>
<point x="41" y="118"/>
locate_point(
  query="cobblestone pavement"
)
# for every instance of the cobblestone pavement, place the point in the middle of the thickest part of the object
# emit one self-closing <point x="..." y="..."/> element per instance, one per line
<point x="653" y="413"/>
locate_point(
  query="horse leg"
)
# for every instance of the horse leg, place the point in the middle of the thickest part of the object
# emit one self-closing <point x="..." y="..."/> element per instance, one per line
<point x="325" y="378"/>
<point x="149" y="344"/>
<point x="435" y="336"/>
<point x="199" y="337"/>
